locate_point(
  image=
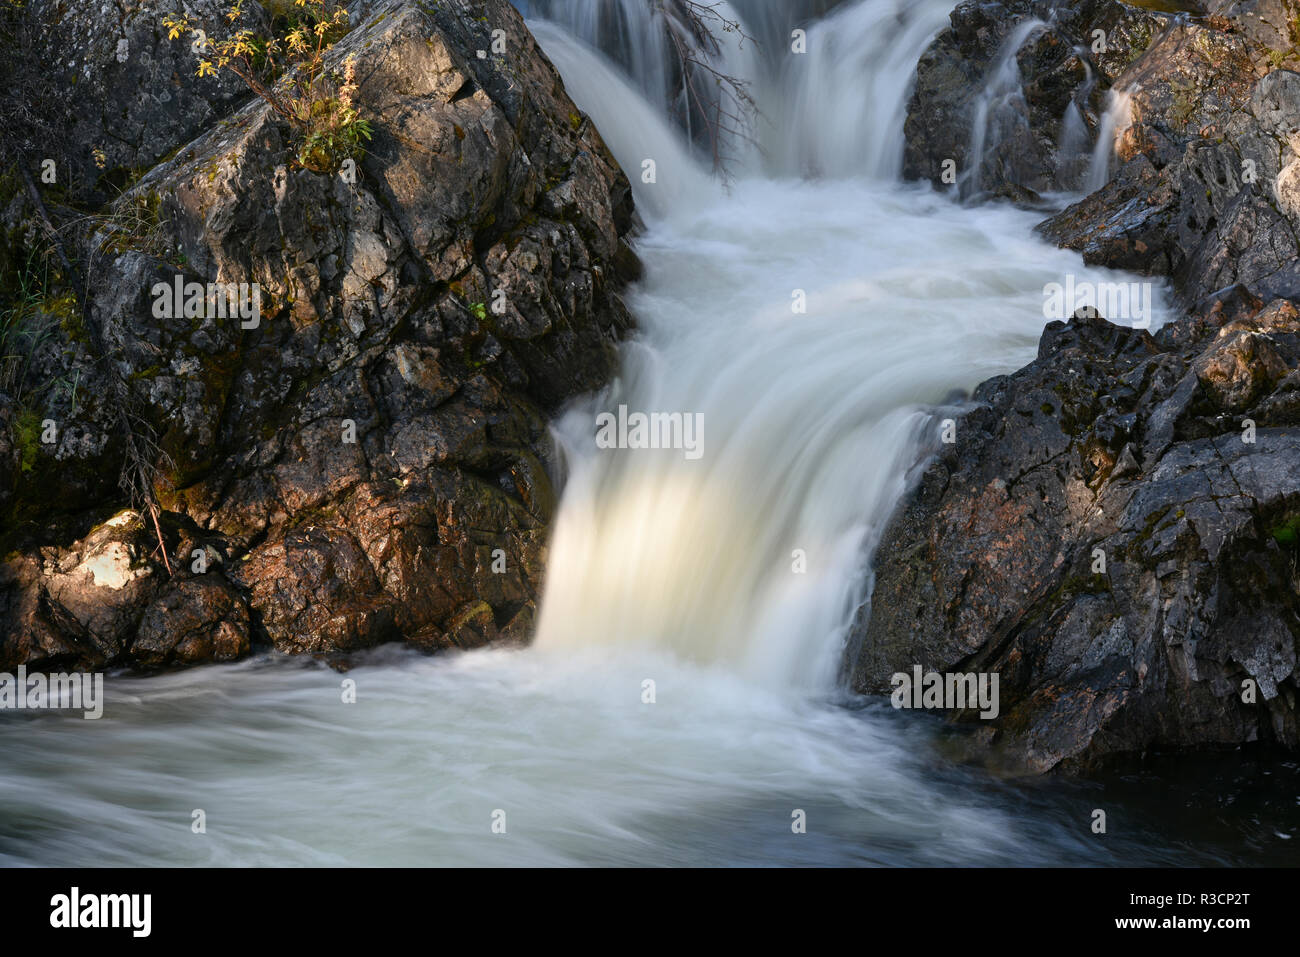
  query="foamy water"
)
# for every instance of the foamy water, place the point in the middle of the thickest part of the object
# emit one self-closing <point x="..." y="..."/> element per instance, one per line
<point x="679" y="705"/>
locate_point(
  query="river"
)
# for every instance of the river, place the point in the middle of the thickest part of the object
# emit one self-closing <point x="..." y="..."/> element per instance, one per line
<point x="681" y="703"/>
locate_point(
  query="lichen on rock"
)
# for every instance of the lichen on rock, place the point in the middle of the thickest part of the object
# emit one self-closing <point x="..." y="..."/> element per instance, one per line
<point x="369" y="455"/>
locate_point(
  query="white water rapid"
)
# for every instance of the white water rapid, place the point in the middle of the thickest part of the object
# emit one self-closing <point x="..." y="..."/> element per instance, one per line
<point x="1114" y="122"/>
<point x="666" y="569"/>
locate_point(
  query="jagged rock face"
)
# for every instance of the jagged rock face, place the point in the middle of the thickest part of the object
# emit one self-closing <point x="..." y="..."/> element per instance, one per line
<point x="1207" y="184"/>
<point x="993" y="83"/>
<point x="370" y="461"/>
<point x="1211" y="212"/>
<point x="1208" y="187"/>
<point x="1114" y="532"/>
<point x="1270" y="24"/>
<point x="108" y="598"/>
<point x="135" y="89"/>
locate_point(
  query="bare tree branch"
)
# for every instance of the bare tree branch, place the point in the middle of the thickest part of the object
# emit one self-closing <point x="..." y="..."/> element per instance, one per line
<point x="722" y="101"/>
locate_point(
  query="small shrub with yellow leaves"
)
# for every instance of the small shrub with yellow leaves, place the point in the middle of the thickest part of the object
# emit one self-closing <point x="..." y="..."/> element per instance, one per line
<point x="287" y="70"/>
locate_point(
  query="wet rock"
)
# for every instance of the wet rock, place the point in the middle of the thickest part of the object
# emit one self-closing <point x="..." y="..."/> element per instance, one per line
<point x="196" y="620"/>
<point x="1113" y="533"/>
<point x="1206" y="192"/>
<point x="1013" y="93"/>
<point x="1204" y="183"/>
<point x="110" y="599"/>
<point x="314" y="590"/>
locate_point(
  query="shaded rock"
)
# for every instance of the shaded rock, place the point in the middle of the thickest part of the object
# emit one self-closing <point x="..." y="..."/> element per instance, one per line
<point x="109" y="600"/>
<point x="370" y="450"/>
<point x="196" y="620"/>
<point x="1013" y="93"/>
<point x="1204" y="184"/>
<point x="1112" y="533"/>
<point x="136" y="94"/>
<point x="314" y="590"/>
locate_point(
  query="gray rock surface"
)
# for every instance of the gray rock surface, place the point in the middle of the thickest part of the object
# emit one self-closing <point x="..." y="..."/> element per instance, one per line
<point x="1114" y="533"/>
<point x="370" y="462"/>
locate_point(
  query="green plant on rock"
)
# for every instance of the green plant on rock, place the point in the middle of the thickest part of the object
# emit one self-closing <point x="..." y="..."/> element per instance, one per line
<point x="133" y="222"/>
<point x="287" y="70"/>
<point x="1276" y="58"/>
<point x="29" y="314"/>
<point x="27" y="433"/>
<point x="1287" y="534"/>
<point x="334" y="128"/>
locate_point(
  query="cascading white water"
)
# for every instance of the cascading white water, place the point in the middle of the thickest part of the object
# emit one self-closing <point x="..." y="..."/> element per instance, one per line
<point x="1074" y="147"/>
<point x="838" y="109"/>
<point x="835" y="108"/>
<point x="640" y="131"/>
<point x="1000" y="105"/>
<point x="810" y="417"/>
<point x="650" y="39"/>
<point x="1114" y="122"/>
<point x="631" y="32"/>
<point x="678" y="702"/>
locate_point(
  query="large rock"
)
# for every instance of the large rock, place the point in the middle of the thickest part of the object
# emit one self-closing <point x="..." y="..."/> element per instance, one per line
<point x="1114" y="533"/>
<point x="135" y="94"/>
<point x="371" y="459"/>
<point x="1207" y="190"/>
<point x="1210" y="212"/>
<point x="110" y="598"/>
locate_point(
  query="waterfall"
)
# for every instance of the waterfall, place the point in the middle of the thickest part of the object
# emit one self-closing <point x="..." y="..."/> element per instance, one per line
<point x="1114" y="122"/>
<point x="633" y="129"/>
<point x="680" y="699"/>
<point x="632" y="33"/>
<point x="655" y="43"/>
<point x="835" y="108"/>
<point x="838" y="109"/>
<point x="1000" y="106"/>
<point x="807" y="326"/>
<point x="1074" y="147"/>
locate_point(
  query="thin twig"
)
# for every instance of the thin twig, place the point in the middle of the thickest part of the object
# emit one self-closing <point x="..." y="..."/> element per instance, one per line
<point x="731" y="114"/>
